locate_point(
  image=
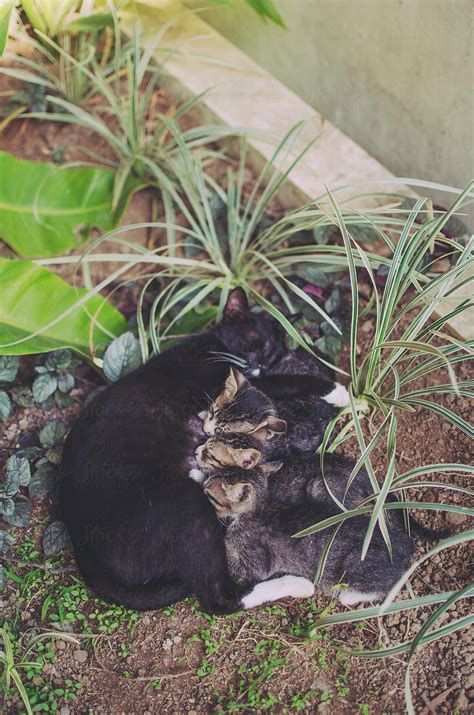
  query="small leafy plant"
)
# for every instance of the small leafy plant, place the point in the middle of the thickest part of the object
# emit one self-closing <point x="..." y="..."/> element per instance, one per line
<point x="55" y="379"/>
<point x="14" y="508"/>
<point x="8" y="370"/>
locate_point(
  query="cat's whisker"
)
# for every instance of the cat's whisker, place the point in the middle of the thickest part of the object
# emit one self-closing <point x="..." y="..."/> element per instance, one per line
<point x="228" y="357"/>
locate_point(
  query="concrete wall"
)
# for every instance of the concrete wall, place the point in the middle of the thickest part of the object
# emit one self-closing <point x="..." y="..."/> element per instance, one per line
<point x="394" y="75"/>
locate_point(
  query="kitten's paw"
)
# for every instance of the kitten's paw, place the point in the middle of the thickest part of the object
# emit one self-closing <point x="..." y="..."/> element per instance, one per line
<point x="276" y="588"/>
<point x="339" y="397"/>
<point x="350" y="598"/>
<point x="196" y="475"/>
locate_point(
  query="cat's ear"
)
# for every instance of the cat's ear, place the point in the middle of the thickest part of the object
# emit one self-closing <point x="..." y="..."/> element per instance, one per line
<point x="240" y="380"/>
<point x="203" y="415"/>
<point x="239" y="493"/>
<point x="276" y="426"/>
<point x="234" y="382"/>
<point x="269" y="468"/>
<point x="237" y="306"/>
<point x="269" y="428"/>
<point x="248" y="458"/>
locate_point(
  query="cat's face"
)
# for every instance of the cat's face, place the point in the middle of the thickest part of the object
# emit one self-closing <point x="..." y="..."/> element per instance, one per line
<point x="241" y="409"/>
<point x="235" y="491"/>
<point x="255" y="337"/>
<point x="227" y="451"/>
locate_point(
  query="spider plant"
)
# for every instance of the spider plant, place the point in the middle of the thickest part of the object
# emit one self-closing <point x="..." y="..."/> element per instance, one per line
<point x="215" y="251"/>
<point x="409" y="341"/>
<point x="57" y="66"/>
<point x="125" y="93"/>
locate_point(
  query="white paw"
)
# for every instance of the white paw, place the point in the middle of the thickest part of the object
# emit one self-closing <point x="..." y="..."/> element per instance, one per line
<point x="276" y="588"/>
<point x="339" y="397"/>
<point x="350" y="598"/>
<point x="196" y="475"/>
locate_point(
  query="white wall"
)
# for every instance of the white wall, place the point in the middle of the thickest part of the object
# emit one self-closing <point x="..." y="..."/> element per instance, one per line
<point x="395" y="75"/>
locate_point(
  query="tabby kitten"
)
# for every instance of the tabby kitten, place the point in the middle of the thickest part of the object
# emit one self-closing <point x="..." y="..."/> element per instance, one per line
<point x="242" y="408"/>
<point x="300" y="478"/>
<point x="259" y="541"/>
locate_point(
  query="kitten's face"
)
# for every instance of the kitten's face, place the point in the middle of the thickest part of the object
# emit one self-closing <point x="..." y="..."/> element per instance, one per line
<point x="255" y="337"/>
<point x="242" y="409"/>
<point x="230" y="499"/>
<point x="236" y="491"/>
<point x="228" y="451"/>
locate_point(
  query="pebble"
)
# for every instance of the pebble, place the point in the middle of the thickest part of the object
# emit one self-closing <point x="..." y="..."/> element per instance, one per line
<point x="461" y="702"/>
<point x="60" y="645"/>
<point x="320" y="684"/>
<point x="80" y="656"/>
<point x="167" y="644"/>
<point x="455" y="518"/>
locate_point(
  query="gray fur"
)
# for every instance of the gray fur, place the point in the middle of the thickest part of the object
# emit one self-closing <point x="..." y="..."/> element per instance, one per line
<point x="270" y="509"/>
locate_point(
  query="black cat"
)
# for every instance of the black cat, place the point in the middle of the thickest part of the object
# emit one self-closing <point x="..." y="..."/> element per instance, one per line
<point x="143" y="533"/>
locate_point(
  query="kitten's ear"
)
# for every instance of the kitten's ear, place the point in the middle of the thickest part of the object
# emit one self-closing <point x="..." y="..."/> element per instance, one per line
<point x="269" y="468"/>
<point x="239" y="493"/>
<point x="276" y="425"/>
<point x="267" y="429"/>
<point x="234" y="382"/>
<point x="214" y="488"/>
<point x="248" y="458"/>
<point x="237" y="306"/>
<point x="203" y="415"/>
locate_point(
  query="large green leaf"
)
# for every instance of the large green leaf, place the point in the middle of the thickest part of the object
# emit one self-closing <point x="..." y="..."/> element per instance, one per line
<point x="47" y="209"/>
<point x="34" y="299"/>
<point x="6" y="7"/>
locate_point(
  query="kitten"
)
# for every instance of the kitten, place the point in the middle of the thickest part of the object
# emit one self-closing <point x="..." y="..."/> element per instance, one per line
<point x="240" y="408"/>
<point x="293" y="425"/>
<point x="144" y="535"/>
<point x="300" y="479"/>
<point x="259" y="541"/>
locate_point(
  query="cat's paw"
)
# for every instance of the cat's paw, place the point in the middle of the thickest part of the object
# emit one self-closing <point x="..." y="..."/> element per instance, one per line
<point x="350" y="598"/>
<point x="196" y="475"/>
<point x="339" y="397"/>
<point x="276" y="588"/>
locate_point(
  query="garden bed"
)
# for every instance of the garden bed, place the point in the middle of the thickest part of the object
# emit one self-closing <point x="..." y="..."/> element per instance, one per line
<point x="179" y="659"/>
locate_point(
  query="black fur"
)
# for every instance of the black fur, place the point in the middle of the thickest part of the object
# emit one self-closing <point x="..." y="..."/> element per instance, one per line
<point x="143" y="533"/>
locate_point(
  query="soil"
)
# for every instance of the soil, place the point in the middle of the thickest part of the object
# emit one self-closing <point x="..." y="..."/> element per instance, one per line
<point x="180" y="660"/>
